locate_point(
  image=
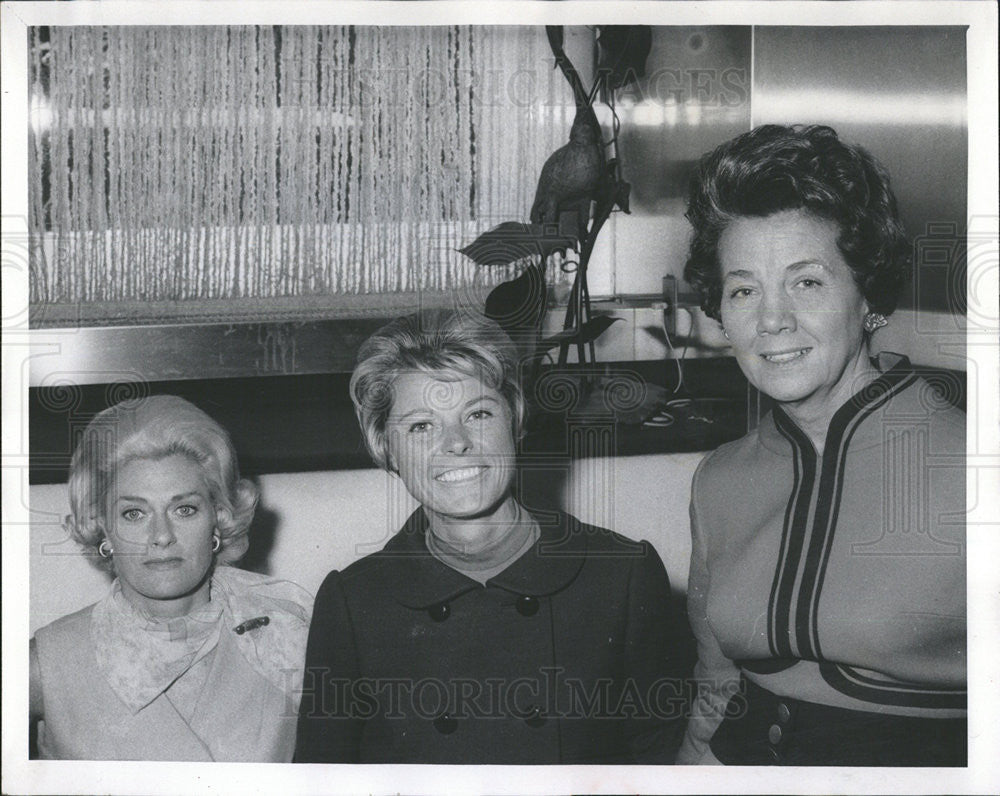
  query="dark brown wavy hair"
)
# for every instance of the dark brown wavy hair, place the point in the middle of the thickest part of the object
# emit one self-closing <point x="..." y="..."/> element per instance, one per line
<point x="774" y="168"/>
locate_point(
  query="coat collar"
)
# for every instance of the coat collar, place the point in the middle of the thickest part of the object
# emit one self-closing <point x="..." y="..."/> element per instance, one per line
<point x="418" y="580"/>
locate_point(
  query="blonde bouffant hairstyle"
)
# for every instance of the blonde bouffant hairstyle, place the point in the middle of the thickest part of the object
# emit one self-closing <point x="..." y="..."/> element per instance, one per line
<point x="154" y="428"/>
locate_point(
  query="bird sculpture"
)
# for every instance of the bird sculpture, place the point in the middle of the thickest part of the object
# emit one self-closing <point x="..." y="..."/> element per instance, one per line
<point x="573" y="175"/>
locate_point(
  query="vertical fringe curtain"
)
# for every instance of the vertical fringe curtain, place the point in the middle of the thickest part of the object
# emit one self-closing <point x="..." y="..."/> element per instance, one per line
<point x="182" y="163"/>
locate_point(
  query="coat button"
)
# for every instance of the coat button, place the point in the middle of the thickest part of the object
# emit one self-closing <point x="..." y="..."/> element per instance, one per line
<point x="784" y="714"/>
<point x="439" y="612"/>
<point x="534" y="717"/>
<point x="774" y="734"/>
<point x="527" y="606"/>
<point x="445" y="724"/>
<point x="775" y="755"/>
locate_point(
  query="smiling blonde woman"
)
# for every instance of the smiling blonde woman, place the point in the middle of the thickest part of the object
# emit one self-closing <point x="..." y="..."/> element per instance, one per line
<point x="186" y="658"/>
<point x="481" y="633"/>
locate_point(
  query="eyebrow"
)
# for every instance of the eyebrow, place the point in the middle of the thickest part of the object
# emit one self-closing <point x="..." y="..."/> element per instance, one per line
<point x="741" y="273"/>
<point x="135" y="499"/>
<point x="400" y="418"/>
<point x="423" y="410"/>
<point x="798" y="266"/>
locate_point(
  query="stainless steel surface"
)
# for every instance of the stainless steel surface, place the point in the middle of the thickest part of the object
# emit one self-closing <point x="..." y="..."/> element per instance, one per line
<point x="901" y="93"/>
<point x="696" y="94"/>
<point x="135" y="354"/>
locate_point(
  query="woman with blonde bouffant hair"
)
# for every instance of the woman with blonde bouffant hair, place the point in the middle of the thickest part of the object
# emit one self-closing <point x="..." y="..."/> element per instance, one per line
<point x="186" y="658"/>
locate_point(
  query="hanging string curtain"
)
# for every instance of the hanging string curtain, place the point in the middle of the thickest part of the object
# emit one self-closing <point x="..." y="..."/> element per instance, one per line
<point x="193" y="163"/>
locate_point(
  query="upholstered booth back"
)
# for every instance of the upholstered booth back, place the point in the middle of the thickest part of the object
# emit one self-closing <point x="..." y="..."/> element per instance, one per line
<point x="310" y="523"/>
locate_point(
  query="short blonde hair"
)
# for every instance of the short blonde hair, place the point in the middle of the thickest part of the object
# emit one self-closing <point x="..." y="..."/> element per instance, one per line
<point x="153" y="428"/>
<point x="433" y="342"/>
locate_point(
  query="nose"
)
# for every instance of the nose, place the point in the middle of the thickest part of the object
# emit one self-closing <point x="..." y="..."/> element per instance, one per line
<point x="161" y="534"/>
<point x="775" y="314"/>
<point x="456" y="438"/>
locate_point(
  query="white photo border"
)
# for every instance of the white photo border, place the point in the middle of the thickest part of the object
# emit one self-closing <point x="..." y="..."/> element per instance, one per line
<point x="983" y="774"/>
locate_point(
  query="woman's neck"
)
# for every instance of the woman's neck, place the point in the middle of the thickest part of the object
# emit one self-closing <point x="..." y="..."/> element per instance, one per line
<point x="814" y="413"/>
<point x="163" y="610"/>
<point x="483" y="542"/>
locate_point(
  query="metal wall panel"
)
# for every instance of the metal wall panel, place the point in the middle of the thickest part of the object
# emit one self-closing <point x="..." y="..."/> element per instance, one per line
<point x="901" y="93"/>
<point x="694" y="96"/>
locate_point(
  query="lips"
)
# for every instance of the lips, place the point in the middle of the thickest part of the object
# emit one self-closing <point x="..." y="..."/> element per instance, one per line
<point x="460" y="474"/>
<point x="784" y="357"/>
<point x="163" y="563"/>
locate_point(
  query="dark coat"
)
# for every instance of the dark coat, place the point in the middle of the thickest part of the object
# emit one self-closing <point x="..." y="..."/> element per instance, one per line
<point x="564" y="657"/>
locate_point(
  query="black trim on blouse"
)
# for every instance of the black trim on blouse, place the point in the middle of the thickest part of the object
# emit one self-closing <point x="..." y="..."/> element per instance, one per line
<point x="810" y="523"/>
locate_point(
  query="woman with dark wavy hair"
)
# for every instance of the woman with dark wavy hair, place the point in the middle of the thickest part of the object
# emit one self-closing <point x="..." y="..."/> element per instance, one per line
<point x="185" y="658"/>
<point x="827" y="591"/>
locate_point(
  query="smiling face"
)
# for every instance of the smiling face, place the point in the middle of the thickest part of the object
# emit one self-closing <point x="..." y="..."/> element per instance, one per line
<point x="160" y="522"/>
<point x="451" y="440"/>
<point x="792" y="309"/>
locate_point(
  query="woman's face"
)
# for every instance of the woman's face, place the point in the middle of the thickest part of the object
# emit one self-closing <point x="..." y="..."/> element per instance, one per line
<point x="450" y="439"/>
<point x="160" y="523"/>
<point x="791" y="308"/>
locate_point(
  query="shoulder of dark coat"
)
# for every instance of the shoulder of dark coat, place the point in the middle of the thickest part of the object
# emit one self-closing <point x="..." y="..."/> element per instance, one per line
<point x="370" y="567"/>
<point x="602" y="540"/>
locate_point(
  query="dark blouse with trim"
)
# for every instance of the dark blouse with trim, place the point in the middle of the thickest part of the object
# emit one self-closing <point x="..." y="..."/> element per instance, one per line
<point x="836" y="578"/>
